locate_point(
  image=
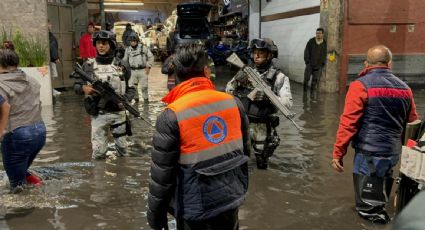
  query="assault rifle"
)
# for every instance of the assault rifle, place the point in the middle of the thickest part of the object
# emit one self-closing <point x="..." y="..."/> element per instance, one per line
<point x="255" y="78"/>
<point x="106" y="90"/>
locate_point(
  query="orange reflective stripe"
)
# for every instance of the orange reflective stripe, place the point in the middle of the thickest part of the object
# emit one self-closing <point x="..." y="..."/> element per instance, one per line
<point x="205" y="109"/>
<point x="211" y="152"/>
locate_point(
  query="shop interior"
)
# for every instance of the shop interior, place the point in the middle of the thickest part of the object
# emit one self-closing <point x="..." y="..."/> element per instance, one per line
<point x="222" y="25"/>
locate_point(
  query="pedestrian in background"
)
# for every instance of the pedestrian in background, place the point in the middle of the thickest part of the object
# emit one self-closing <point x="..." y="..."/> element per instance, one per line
<point x="22" y="129"/>
<point x="87" y="49"/>
<point x="54" y="54"/>
<point x="140" y="60"/>
<point x="201" y="149"/>
<point x="377" y="107"/>
<point x="315" y="59"/>
<point x="126" y="35"/>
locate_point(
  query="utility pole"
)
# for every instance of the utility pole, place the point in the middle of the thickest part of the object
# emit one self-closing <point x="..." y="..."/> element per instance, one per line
<point x="102" y="14"/>
<point x="332" y="20"/>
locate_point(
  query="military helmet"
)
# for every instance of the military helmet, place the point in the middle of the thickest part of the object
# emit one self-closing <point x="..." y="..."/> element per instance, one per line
<point x="263" y="43"/>
<point x="133" y="37"/>
<point x="105" y="35"/>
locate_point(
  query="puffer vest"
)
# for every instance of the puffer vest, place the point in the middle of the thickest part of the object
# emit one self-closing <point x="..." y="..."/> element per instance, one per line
<point x="211" y="175"/>
<point x="385" y="114"/>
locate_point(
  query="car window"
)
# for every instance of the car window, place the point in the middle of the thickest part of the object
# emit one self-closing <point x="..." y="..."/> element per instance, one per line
<point x="194" y="28"/>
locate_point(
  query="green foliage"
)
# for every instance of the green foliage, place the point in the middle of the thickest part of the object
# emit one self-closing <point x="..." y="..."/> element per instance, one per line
<point x="32" y="51"/>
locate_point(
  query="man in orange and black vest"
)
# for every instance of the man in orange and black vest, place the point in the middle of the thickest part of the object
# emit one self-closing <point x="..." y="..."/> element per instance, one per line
<point x="199" y="167"/>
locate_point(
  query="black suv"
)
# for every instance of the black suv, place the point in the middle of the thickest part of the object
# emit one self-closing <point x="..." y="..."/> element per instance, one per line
<point x="191" y="26"/>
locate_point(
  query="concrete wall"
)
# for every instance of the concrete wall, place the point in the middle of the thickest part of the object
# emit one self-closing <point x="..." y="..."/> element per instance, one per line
<point x="81" y="20"/>
<point x="31" y="18"/>
<point x="28" y="15"/>
<point x="290" y="34"/>
<point x="254" y="19"/>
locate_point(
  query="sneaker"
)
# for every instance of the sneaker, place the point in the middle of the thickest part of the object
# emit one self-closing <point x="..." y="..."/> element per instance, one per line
<point x="56" y="93"/>
<point x="34" y="180"/>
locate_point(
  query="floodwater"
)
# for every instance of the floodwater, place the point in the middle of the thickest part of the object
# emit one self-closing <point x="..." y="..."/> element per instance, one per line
<point x="298" y="191"/>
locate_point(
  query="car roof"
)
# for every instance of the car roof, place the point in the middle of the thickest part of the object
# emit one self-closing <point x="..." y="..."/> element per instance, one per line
<point x="123" y="23"/>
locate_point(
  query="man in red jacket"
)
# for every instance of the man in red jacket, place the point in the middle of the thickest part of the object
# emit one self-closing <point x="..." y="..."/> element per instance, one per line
<point x="87" y="50"/>
<point x="377" y="107"/>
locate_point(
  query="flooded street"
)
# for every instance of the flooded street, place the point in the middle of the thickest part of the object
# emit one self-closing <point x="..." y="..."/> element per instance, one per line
<point x="299" y="190"/>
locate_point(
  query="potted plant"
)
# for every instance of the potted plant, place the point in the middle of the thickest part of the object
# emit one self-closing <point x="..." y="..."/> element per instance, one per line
<point x="33" y="60"/>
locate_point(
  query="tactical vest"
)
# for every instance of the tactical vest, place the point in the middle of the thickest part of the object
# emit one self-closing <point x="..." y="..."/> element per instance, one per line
<point x="258" y="111"/>
<point x="385" y="114"/>
<point x="114" y="76"/>
<point x="137" y="58"/>
<point x="111" y="74"/>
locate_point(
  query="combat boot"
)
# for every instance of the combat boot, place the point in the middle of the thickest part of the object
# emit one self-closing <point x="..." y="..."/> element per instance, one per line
<point x="262" y="162"/>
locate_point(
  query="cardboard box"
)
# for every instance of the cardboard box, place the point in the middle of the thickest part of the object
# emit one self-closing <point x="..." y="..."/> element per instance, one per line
<point x="411" y="162"/>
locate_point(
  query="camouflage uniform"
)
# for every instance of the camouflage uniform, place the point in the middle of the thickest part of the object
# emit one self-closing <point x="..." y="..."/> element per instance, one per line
<point x="115" y="121"/>
<point x="106" y="114"/>
<point x="110" y="117"/>
<point x="138" y="59"/>
<point x="263" y="123"/>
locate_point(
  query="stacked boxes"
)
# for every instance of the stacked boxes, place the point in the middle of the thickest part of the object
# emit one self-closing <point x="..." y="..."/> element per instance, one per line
<point x="413" y="162"/>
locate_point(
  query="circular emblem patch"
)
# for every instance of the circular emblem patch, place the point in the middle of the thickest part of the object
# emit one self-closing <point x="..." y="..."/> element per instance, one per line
<point x="215" y="129"/>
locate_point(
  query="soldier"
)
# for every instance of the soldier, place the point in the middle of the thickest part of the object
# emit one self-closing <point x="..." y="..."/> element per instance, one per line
<point x="260" y="110"/>
<point x="140" y="59"/>
<point x="106" y="115"/>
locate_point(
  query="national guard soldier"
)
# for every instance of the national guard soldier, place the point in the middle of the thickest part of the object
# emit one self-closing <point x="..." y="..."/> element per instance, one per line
<point x="106" y="115"/>
<point x="140" y="59"/>
<point x="260" y="110"/>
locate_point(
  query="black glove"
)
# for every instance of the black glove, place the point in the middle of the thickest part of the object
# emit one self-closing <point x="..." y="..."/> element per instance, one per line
<point x="157" y="221"/>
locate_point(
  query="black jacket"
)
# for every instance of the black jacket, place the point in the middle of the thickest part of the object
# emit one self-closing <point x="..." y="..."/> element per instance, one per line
<point x="165" y="168"/>
<point x="314" y="54"/>
<point x="125" y="36"/>
<point x="54" y="47"/>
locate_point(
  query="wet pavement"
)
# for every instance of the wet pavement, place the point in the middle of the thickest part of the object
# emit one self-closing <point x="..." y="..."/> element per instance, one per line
<point x="299" y="191"/>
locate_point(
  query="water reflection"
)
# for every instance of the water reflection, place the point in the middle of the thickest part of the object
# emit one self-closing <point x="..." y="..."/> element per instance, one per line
<point x="299" y="191"/>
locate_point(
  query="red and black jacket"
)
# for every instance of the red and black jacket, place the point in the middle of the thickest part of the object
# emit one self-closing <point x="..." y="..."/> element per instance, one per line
<point x="377" y="107"/>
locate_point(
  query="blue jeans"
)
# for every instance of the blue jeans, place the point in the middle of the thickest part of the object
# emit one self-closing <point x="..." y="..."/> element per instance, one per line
<point x="19" y="148"/>
<point x="383" y="164"/>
